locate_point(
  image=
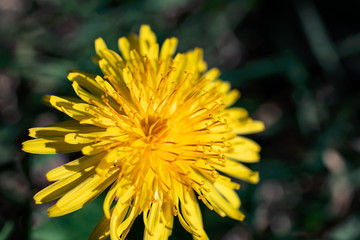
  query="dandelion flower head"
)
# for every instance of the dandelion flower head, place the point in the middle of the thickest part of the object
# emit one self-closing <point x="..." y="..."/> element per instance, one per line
<point x="158" y="131"/>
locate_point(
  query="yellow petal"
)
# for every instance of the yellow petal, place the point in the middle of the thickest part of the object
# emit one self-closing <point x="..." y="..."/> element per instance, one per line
<point x="110" y="196"/>
<point x="229" y="194"/>
<point x="100" y="45"/>
<point x="249" y="126"/>
<point x="81" y="195"/>
<point x="99" y="121"/>
<point x="59" y="188"/>
<point x="243" y="143"/>
<point x="168" y="48"/>
<point x="81" y="165"/>
<point x="158" y="222"/>
<point x="146" y="39"/>
<point x="117" y="217"/>
<point x="152" y="220"/>
<point x="86" y="80"/>
<point x="195" y="62"/>
<point x="124" y="47"/>
<point x="96" y="148"/>
<point x="61" y="129"/>
<point x="239" y="171"/>
<point x="231" y="97"/>
<point x="113" y="64"/>
<point x="212" y="74"/>
<point x="221" y="86"/>
<point x="103" y="168"/>
<point x="102" y="229"/>
<point x="66" y="105"/>
<point x="191" y="212"/>
<point x="226" y="181"/>
<point x="54" y="145"/>
<point x="123" y="228"/>
<point x="154" y="53"/>
<point x="244" y="155"/>
<point x="235" y="113"/>
<point x="83" y="138"/>
<point x="222" y="205"/>
<point x="167" y="219"/>
<point x="86" y="96"/>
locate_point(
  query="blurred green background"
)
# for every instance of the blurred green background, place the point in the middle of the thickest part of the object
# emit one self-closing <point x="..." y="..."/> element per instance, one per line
<point x="297" y="64"/>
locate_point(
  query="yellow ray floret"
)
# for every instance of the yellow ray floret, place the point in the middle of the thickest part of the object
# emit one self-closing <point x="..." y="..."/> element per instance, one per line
<point x="155" y="129"/>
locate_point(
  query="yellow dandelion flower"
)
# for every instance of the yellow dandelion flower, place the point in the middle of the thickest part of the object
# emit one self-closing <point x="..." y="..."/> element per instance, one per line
<point x="156" y="130"/>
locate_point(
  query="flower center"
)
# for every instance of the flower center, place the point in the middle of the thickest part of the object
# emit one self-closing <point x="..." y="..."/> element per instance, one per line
<point x="155" y="128"/>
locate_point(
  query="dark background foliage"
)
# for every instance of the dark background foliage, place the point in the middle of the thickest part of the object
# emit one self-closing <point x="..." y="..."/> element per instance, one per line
<point x="297" y="64"/>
